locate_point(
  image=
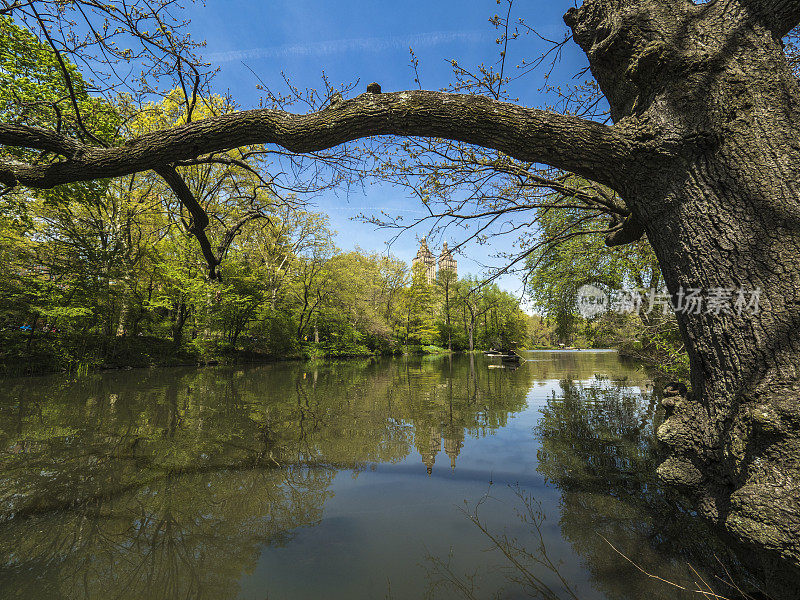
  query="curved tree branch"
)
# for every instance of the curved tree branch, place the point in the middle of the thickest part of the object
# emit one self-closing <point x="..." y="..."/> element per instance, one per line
<point x="595" y="151"/>
<point x="38" y="138"/>
<point x="67" y="79"/>
<point x="626" y="232"/>
<point x="199" y="222"/>
<point x="779" y="16"/>
<point x="235" y="229"/>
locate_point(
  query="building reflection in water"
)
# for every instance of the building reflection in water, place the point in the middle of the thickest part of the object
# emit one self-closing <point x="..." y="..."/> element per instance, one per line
<point x="165" y="483"/>
<point x="429" y="447"/>
<point x="168" y="484"/>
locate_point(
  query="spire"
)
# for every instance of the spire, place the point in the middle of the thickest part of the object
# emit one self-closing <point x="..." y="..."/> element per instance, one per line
<point x="453" y="442"/>
<point x="426" y="258"/>
<point x="446" y="260"/>
<point x="429" y="446"/>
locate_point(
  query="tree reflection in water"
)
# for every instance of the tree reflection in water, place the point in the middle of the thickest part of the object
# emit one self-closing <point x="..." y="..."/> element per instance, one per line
<point x="167" y="483"/>
<point x="598" y="447"/>
<point x="179" y="537"/>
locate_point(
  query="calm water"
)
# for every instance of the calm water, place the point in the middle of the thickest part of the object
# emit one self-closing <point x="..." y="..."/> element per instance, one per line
<point x="361" y="479"/>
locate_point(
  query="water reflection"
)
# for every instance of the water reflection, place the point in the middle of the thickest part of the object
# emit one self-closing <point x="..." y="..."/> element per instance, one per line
<point x="177" y="537"/>
<point x="598" y="446"/>
<point x="222" y="482"/>
<point x="164" y="484"/>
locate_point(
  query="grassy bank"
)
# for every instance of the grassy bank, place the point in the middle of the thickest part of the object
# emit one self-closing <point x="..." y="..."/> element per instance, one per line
<point x="23" y="354"/>
<point x="666" y="360"/>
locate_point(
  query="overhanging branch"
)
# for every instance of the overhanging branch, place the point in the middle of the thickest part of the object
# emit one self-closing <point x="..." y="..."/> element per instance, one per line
<point x="590" y="149"/>
<point x="37" y="138"/>
<point x="779" y="16"/>
<point x="197" y="226"/>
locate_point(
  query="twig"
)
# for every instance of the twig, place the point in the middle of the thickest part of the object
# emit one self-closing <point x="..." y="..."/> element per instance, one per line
<point x="710" y="594"/>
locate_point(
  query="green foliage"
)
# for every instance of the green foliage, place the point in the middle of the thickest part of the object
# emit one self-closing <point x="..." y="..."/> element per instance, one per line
<point x="32" y="88"/>
<point x="117" y="268"/>
<point x="419" y="312"/>
<point x="573" y="253"/>
<point x="76" y="352"/>
<point x="34" y="92"/>
<point x="110" y="262"/>
<point x="557" y="271"/>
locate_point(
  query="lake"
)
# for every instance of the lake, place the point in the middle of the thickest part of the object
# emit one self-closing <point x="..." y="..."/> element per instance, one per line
<point x="444" y="477"/>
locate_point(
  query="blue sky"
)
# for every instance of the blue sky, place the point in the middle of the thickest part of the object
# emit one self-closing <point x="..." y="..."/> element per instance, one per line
<point x="368" y="40"/>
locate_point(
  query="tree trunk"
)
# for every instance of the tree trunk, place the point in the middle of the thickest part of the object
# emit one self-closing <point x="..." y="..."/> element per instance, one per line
<point x="447" y="312"/>
<point x="123" y="313"/>
<point x="720" y="203"/>
<point x="181" y="312"/>
<point x="29" y="343"/>
<point x="704" y="150"/>
<point x="735" y="441"/>
<point x="237" y="331"/>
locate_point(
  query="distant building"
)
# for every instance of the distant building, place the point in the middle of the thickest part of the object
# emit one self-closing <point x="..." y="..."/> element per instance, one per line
<point x="425" y="257"/>
<point x="453" y="437"/>
<point x="429" y="442"/>
<point x="429" y="446"/>
<point x="446" y="261"/>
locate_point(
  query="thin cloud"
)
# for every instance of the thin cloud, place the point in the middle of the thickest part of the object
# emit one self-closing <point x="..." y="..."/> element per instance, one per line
<point x="370" y="44"/>
<point x="374" y="208"/>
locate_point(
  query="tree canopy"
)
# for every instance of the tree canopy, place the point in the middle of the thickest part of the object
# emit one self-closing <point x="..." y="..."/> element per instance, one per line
<point x="699" y="152"/>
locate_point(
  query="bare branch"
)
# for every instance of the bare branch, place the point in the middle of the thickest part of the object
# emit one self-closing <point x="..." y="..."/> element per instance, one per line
<point x="231" y="234"/>
<point x="67" y="80"/>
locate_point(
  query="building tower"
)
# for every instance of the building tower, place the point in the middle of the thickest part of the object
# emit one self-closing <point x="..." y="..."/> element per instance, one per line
<point x="428" y="446"/>
<point x="453" y="442"/>
<point x="425" y="257"/>
<point x="447" y="262"/>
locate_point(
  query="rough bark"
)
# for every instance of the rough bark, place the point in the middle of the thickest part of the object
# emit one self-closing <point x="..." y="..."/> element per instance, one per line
<point x="705" y="152"/>
<point x="528" y="134"/>
<point x="722" y="212"/>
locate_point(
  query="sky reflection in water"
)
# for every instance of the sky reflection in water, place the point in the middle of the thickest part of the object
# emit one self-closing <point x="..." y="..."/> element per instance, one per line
<point x="340" y="480"/>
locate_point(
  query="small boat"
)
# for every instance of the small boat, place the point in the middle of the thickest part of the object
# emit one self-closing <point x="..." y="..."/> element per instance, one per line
<point x="508" y="356"/>
<point x="507" y="366"/>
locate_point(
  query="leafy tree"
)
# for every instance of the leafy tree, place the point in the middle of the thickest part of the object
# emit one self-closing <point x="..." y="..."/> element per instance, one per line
<point x="701" y="150"/>
<point x="571" y="253"/>
<point x="445" y="282"/>
<point x="38" y="88"/>
<point x="419" y="309"/>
